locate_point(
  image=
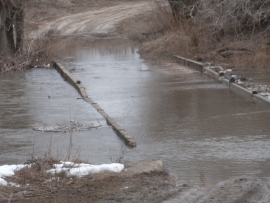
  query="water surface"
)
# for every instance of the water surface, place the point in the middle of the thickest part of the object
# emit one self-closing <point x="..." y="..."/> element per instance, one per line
<point x="204" y="132"/>
<point x="41" y="97"/>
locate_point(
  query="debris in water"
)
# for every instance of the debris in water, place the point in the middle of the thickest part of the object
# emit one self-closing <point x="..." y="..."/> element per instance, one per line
<point x="67" y="128"/>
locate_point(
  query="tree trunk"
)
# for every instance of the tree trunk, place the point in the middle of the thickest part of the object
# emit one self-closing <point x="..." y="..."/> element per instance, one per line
<point x="175" y="8"/>
<point x="12" y="24"/>
<point x="3" y="37"/>
<point x="19" y="25"/>
<point x="9" y="34"/>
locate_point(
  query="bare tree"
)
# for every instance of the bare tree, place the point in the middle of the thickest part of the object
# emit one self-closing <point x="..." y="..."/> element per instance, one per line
<point x="182" y="8"/>
<point x="11" y="25"/>
<point x="224" y="16"/>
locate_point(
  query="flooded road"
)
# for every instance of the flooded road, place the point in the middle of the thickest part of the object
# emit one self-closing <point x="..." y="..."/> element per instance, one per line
<point x="25" y="103"/>
<point x="204" y="132"/>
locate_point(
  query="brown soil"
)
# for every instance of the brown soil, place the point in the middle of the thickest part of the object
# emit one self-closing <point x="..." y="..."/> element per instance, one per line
<point x="239" y="190"/>
<point x="139" y="182"/>
<point x="86" y="17"/>
<point x="106" y="187"/>
<point x="39" y="12"/>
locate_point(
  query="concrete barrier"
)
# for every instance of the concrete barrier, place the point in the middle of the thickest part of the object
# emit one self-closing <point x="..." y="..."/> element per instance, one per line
<point x="190" y="63"/>
<point x="248" y="93"/>
<point x="260" y="98"/>
<point x="121" y="132"/>
<point x="232" y="86"/>
<point x="90" y="101"/>
<point x="103" y="113"/>
<point x="180" y="60"/>
<point x="237" y="88"/>
<point x="211" y="73"/>
<point x="195" y="65"/>
<point x="144" y="166"/>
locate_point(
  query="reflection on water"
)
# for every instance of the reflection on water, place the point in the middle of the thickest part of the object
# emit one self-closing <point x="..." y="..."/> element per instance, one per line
<point x="203" y="132"/>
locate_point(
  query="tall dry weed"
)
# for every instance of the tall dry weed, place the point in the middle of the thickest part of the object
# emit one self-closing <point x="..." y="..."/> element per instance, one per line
<point x="37" y="54"/>
<point x="231" y="31"/>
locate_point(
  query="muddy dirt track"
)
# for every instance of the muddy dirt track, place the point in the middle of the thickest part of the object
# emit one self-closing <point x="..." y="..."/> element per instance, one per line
<point x="240" y="190"/>
<point x="101" y="22"/>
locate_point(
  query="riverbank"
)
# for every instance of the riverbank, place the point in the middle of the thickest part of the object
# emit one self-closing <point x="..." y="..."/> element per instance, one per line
<point x="161" y="38"/>
<point x="138" y="181"/>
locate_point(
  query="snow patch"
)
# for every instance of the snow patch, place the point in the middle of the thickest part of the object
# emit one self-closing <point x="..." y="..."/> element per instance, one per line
<point x="3" y="182"/>
<point x="70" y="168"/>
<point x="9" y="170"/>
<point x="14" y="184"/>
<point x="84" y="169"/>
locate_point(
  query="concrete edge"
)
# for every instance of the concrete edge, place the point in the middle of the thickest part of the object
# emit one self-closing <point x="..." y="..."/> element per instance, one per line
<point x="237" y="88"/>
<point x="211" y="73"/>
<point x="121" y="132"/>
<point x="232" y="86"/>
<point x="147" y="166"/>
<point x="190" y="63"/>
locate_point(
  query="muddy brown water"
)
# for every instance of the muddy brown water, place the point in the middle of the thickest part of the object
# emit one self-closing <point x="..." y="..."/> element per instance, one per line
<point x="25" y="103"/>
<point x="204" y="132"/>
<point x="257" y="75"/>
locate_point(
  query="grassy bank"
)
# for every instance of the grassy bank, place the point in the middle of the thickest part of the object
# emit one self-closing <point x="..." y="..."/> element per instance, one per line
<point x="198" y="37"/>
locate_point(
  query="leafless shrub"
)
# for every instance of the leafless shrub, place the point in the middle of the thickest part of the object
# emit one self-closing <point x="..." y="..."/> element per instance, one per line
<point x="224" y="16"/>
<point x="70" y="146"/>
<point x="216" y="19"/>
<point x="38" y="54"/>
<point x="235" y="16"/>
<point x="120" y="157"/>
<point x="201" y="28"/>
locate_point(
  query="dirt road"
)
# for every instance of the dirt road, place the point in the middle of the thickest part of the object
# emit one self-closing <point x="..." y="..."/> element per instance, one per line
<point x="242" y="189"/>
<point x="99" y="22"/>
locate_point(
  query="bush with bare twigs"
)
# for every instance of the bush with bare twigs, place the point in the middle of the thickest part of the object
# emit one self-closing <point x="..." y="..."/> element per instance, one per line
<point x="15" y="52"/>
<point x="210" y="30"/>
<point x="224" y="17"/>
<point x="38" y="54"/>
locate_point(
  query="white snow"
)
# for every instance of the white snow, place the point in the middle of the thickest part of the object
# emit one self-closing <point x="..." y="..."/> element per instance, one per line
<point x="84" y="169"/>
<point x="8" y="170"/>
<point x="69" y="167"/>
<point x="3" y="182"/>
<point x="14" y="184"/>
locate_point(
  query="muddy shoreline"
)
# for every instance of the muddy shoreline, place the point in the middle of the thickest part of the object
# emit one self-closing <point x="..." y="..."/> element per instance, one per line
<point x="143" y="181"/>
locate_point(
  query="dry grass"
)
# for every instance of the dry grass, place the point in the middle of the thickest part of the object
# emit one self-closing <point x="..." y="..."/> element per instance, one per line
<point x="198" y="38"/>
<point x="36" y="185"/>
<point x="37" y="54"/>
<point x="147" y="26"/>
